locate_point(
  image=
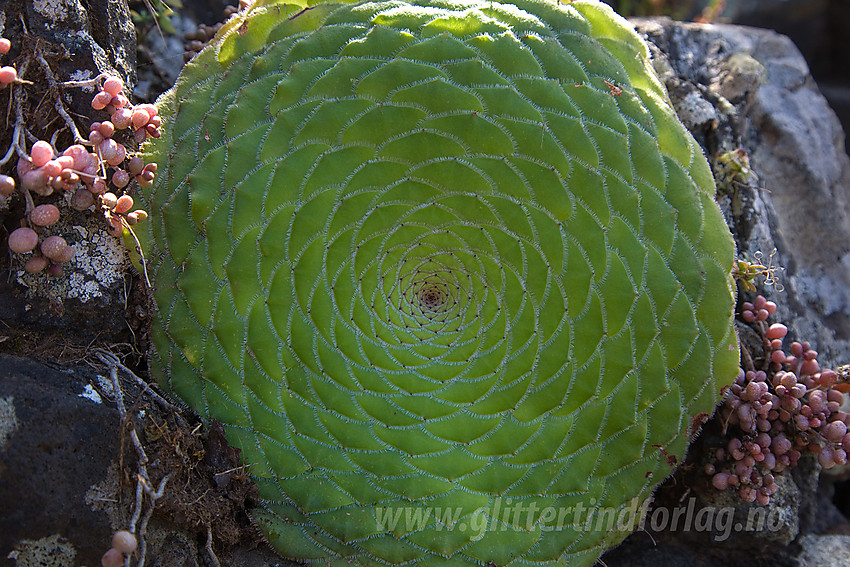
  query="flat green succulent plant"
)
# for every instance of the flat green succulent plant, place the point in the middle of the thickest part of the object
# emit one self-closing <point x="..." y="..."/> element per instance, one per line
<point x="447" y="270"/>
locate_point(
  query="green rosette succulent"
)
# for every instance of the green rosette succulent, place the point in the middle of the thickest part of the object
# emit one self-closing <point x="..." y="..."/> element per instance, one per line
<point x="450" y="272"/>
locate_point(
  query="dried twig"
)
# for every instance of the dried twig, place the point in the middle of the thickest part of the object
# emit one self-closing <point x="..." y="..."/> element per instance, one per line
<point x="209" y="548"/>
<point x="18" y="132"/>
<point x="53" y="85"/>
<point x="143" y="525"/>
<point x="138" y="251"/>
<point x="144" y="486"/>
<point x="110" y="359"/>
<point x="86" y="83"/>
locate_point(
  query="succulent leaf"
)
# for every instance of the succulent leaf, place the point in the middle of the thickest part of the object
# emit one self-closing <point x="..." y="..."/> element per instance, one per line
<point x="451" y="263"/>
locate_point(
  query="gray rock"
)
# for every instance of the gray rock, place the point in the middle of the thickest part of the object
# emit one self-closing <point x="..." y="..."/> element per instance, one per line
<point x="94" y="298"/>
<point x="718" y="529"/>
<point x="764" y="101"/>
<point x="58" y="443"/>
<point x="825" y="550"/>
<point x="51" y="551"/>
<point x="80" y="39"/>
<point x="64" y="486"/>
<point x="165" y="56"/>
<point x="806" y="20"/>
<point x="768" y="104"/>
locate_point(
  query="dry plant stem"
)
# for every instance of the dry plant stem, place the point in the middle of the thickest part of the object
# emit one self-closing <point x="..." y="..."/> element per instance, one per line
<point x="143" y="483"/>
<point x="29" y="202"/>
<point x="140" y="451"/>
<point x="30" y="136"/>
<point x="16" y="144"/>
<point x="143" y="525"/>
<point x="746" y="357"/>
<point x="209" y="548"/>
<point x="53" y="138"/>
<point x="87" y="83"/>
<point x="19" y="129"/>
<point x="138" y="251"/>
<point x="13" y="148"/>
<point x="86" y="176"/>
<point x="19" y="123"/>
<point x="57" y="99"/>
<point x="101" y="163"/>
<point x="137" y="510"/>
<point x="10" y="151"/>
<point x="110" y="359"/>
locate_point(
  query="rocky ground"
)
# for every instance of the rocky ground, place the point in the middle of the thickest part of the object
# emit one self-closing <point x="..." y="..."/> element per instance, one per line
<point x="68" y="464"/>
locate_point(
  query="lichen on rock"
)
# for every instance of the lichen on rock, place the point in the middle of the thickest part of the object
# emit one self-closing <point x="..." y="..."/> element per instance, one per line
<point x="434" y="256"/>
<point x="51" y="551"/>
<point x="98" y="265"/>
<point x="8" y="420"/>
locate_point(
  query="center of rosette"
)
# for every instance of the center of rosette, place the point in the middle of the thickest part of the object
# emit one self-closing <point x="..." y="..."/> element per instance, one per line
<point x="432" y="293"/>
<point x="432" y="297"/>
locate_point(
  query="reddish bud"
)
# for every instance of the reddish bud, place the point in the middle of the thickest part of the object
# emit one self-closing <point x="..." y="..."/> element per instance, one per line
<point x="35" y="264"/>
<point x="720" y="481"/>
<point x="23" y="240"/>
<point x="810" y="367"/>
<point x="123" y="204"/>
<point x="121" y="118"/>
<point x="136" y="217"/>
<point x="776" y="331"/>
<point x="835" y="431"/>
<point x="118" y="158"/>
<point x="135" y="165"/>
<point x="82" y="199"/>
<point x="112" y="558"/>
<point x="113" y="85"/>
<point x="119" y="101"/>
<point x="8" y="75"/>
<point x="828" y="378"/>
<point x="52" y="168"/>
<point x="106" y="129"/>
<point x="149" y="108"/>
<point x="41" y="153"/>
<point x="54" y="247"/>
<point x="139" y="118"/>
<point x="124" y="541"/>
<point x="67" y="162"/>
<point x="36" y="180"/>
<point x="44" y="215"/>
<point x="7" y="185"/>
<point x="777" y="356"/>
<point x="97" y="186"/>
<point x="120" y="178"/>
<point x="101" y="100"/>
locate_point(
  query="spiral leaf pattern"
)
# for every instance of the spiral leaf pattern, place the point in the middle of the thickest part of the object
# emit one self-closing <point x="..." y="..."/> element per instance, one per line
<point x="431" y="256"/>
